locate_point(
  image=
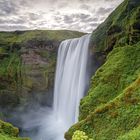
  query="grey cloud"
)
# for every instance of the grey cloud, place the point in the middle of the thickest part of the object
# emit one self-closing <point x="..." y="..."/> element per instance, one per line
<point x="76" y="17"/>
<point x="52" y="10"/>
<point x="85" y="7"/>
<point x="4" y="27"/>
<point x="84" y="0"/>
<point x="24" y="14"/>
<point x="102" y="18"/>
<point x="23" y="3"/>
<point x="58" y="18"/>
<point x="7" y="7"/>
<point x="109" y="0"/>
<point x="94" y="24"/>
<point x="12" y="21"/>
<point x="73" y="21"/>
<point x="68" y="19"/>
<point x="62" y="5"/>
<point x="95" y="19"/>
<point x="81" y="16"/>
<point x="34" y="16"/>
<point x="90" y="19"/>
<point x="104" y="10"/>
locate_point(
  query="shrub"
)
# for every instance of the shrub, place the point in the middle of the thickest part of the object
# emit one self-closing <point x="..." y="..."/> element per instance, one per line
<point x="80" y="135"/>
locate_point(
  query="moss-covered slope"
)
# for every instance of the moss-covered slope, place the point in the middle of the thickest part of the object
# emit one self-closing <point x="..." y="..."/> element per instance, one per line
<point x="9" y="132"/>
<point x="132" y="135"/>
<point x="120" y="28"/>
<point x="111" y="110"/>
<point x="113" y="103"/>
<point x="121" y="68"/>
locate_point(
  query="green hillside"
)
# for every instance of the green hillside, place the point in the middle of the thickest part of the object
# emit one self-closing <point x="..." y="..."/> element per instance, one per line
<point x="111" y="110"/>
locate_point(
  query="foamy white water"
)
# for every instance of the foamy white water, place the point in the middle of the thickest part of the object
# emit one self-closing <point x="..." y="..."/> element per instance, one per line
<point x="71" y="82"/>
<point x="71" y="79"/>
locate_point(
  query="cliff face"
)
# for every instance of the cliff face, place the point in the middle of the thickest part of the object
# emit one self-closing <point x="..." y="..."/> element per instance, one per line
<point x="27" y="65"/>
<point x="111" y="110"/>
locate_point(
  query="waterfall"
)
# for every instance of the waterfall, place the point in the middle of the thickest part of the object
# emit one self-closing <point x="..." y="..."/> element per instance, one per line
<point x="71" y="84"/>
<point x="71" y="78"/>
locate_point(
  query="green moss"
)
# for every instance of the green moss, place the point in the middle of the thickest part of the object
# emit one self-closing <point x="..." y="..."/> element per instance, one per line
<point x="6" y="137"/>
<point x="8" y="129"/>
<point x="119" y="26"/>
<point x="49" y="35"/>
<point x="9" y="132"/>
<point x="9" y="75"/>
<point x="111" y="110"/>
<point x="132" y="135"/>
<point x="121" y="69"/>
<point x="114" y="119"/>
<point x="10" y="39"/>
<point x="9" y="66"/>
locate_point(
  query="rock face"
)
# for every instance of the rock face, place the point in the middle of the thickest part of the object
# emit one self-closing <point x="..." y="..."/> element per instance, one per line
<point x="27" y="65"/>
<point x="111" y="110"/>
<point x="38" y="69"/>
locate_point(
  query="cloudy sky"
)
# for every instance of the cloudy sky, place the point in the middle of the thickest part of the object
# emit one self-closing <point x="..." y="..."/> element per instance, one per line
<point x="80" y="15"/>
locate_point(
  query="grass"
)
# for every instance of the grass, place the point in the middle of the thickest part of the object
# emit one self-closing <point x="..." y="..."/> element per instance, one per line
<point x="9" y="69"/>
<point x="132" y="135"/>
<point x="111" y="110"/>
<point x="9" y="132"/>
<point x="114" y="119"/>
<point x="121" y="69"/>
<point x="7" y="39"/>
<point x="123" y="17"/>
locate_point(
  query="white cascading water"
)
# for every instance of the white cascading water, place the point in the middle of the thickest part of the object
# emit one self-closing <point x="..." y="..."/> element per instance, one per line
<point x="71" y="78"/>
<point x="71" y="83"/>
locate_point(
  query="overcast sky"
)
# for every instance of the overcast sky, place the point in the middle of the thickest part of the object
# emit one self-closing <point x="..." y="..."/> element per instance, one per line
<point x="80" y="15"/>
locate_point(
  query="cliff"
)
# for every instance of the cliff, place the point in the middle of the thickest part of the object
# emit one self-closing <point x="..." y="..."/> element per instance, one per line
<point x="111" y="110"/>
<point x="27" y="65"/>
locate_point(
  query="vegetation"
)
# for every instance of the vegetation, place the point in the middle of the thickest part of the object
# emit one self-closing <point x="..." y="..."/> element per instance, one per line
<point x="9" y="79"/>
<point x="122" y="67"/>
<point x="9" y="132"/>
<point x="132" y="135"/>
<point x="13" y="39"/>
<point x="80" y="135"/>
<point x="111" y="110"/>
<point x="15" y="48"/>
<point x="120" y="28"/>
